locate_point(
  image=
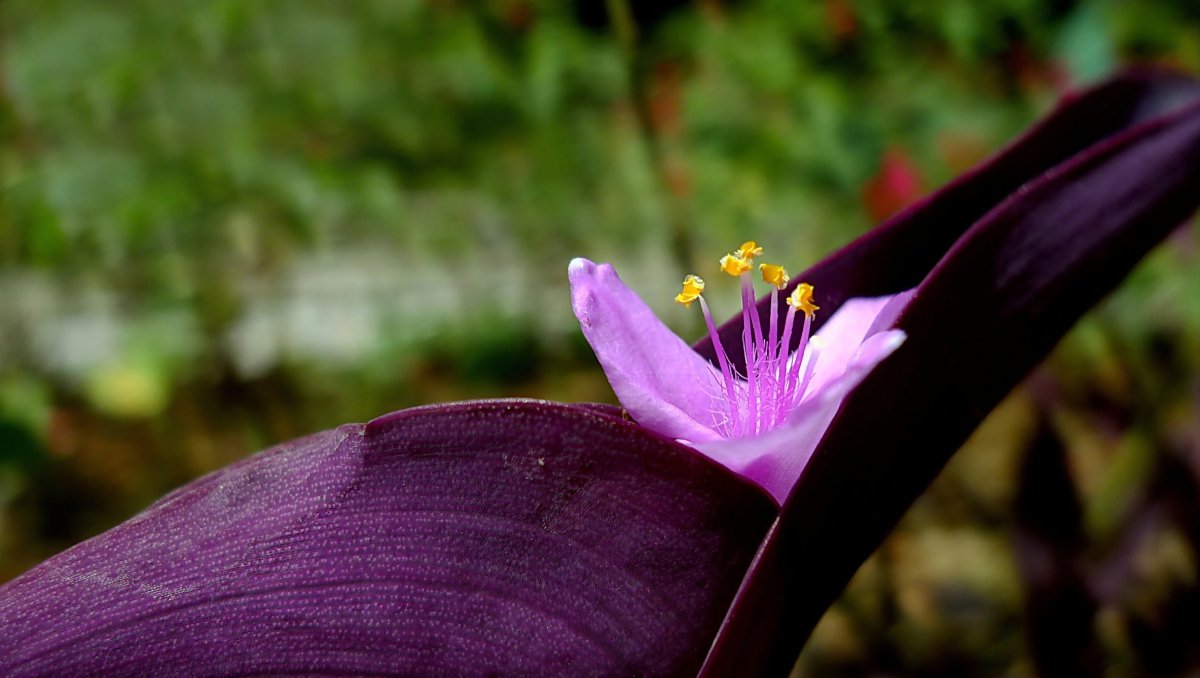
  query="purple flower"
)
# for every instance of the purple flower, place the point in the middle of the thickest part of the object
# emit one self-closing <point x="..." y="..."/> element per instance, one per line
<point x="762" y="421"/>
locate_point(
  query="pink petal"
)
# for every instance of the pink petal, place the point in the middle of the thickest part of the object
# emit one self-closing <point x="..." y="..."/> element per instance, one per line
<point x="841" y="336"/>
<point x="775" y="459"/>
<point x="888" y="315"/>
<point x="665" y="385"/>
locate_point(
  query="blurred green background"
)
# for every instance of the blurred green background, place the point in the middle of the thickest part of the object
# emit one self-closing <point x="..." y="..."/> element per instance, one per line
<point x="224" y="224"/>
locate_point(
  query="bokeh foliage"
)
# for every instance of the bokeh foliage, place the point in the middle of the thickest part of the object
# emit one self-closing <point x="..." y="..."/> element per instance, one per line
<point x="224" y="224"/>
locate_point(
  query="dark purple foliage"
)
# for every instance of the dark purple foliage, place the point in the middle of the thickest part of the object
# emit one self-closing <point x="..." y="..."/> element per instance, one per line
<point x="1005" y="260"/>
<point x="512" y="537"/>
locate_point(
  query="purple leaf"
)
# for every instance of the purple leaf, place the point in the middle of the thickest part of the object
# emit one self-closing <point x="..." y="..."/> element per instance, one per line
<point x="503" y="537"/>
<point x="1005" y="259"/>
<point x="900" y="253"/>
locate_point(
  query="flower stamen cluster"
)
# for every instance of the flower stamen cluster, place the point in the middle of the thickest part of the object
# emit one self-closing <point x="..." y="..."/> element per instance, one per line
<point x="775" y="377"/>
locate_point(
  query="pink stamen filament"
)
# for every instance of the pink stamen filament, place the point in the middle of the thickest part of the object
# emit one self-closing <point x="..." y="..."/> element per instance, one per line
<point x="793" y="390"/>
<point x="748" y="297"/>
<point x="781" y="368"/>
<point x="751" y="330"/>
<point x="773" y="354"/>
<point x="808" y="375"/>
<point x="723" y="360"/>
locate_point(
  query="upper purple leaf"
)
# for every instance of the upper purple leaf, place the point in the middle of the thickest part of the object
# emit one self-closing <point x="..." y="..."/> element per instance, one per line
<point x="504" y="538"/>
<point x="1005" y="260"/>
<point x="899" y="253"/>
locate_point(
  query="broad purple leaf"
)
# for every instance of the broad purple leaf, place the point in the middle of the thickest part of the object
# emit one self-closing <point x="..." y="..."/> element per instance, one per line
<point x="898" y="254"/>
<point x="501" y="537"/>
<point x="1005" y="259"/>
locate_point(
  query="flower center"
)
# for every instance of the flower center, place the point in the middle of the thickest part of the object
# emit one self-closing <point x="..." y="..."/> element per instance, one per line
<point x="775" y="378"/>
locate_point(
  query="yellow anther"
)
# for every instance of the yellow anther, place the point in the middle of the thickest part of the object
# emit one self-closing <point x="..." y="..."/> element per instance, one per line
<point x="692" y="287"/>
<point x="774" y="275"/>
<point x="734" y="265"/>
<point x="748" y="250"/>
<point x="801" y="298"/>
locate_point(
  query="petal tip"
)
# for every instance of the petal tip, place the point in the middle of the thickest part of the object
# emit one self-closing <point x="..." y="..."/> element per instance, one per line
<point x="580" y="266"/>
<point x="879" y="346"/>
<point x="894" y="339"/>
<point x="587" y="278"/>
<point x="581" y="269"/>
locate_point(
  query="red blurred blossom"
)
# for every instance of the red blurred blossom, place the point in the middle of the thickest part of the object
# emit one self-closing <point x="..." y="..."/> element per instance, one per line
<point x="897" y="184"/>
<point x="840" y="19"/>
